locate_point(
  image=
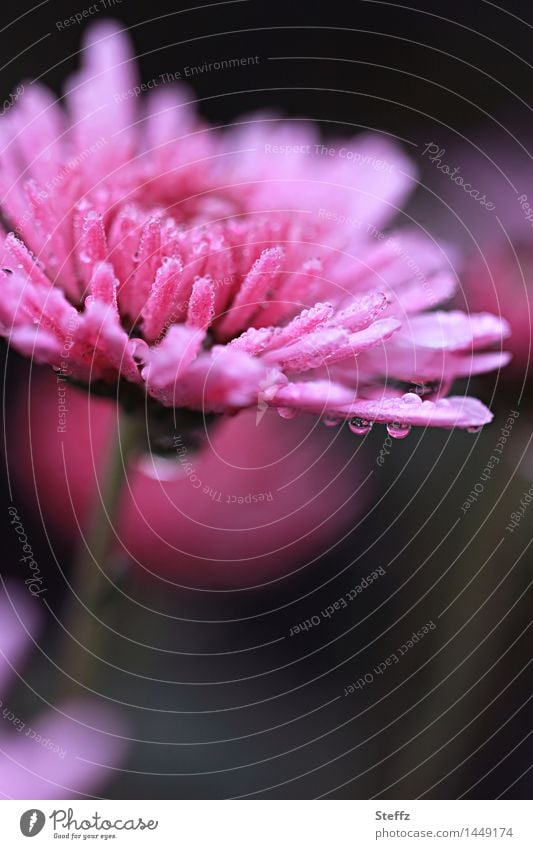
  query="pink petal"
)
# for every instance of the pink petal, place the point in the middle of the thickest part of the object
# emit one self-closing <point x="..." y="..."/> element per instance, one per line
<point x="455" y="331"/>
<point x="137" y="289"/>
<point x="163" y="306"/>
<point x="68" y="751"/>
<point x="16" y="256"/>
<point x="201" y="304"/>
<point x="19" y="618"/>
<point x="252" y="292"/>
<point x="170" y="360"/>
<point x="91" y="242"/>
<point x="455" y="411"/>
<point x="101" y="107"/>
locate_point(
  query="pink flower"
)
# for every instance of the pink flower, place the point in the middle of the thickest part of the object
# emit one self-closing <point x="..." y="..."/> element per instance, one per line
<point x="499" y="279"/>
<point x="267" y="497"/>
<point x="215" y="270"/>
<point x="497" y="244"/>
<point x="63" y="751"/>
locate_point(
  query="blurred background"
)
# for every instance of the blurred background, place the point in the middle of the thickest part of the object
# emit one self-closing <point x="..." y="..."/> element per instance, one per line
<point x="218" y="690"/>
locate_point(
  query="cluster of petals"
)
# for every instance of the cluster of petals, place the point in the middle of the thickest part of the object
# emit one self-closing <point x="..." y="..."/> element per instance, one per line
<point x="218" y="268"/>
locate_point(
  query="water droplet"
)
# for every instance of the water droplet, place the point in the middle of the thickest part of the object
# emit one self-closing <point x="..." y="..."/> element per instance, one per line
<point x="430" y="389"/>
<point x="411" y="398"/>
<point x="84" y="256"/>
<point x="474" y="429"/>
<point x="398" y="430"/>
<point x="287" y="412"/>
<point x="330" y="420"/>
<point x="360" y="426"/>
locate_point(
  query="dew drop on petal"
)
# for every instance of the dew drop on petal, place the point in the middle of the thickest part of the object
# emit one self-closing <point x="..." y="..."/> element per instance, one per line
<point x="398" y="430"/>
<point x="474" y="429"/>
<point x="429" y="389"/>
<point x="331" y="420"/>
<point x="411" y="398"/>
<point x="360" y="426"/>
<point x="287" y="412"/>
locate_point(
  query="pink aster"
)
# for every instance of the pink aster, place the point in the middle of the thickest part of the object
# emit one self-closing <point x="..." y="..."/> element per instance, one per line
<point x="499" y="279"/>
<point x="215" y="269"/>
<point x="61" y="752"/>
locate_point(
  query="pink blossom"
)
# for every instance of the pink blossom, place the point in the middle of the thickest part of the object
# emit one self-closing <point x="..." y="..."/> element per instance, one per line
<point x="63" y="751"/>
<point x="267" y="497"/>
<point x="218" y="269"/>
<point x="499" y="279"/>
<point x="497" y="244"/>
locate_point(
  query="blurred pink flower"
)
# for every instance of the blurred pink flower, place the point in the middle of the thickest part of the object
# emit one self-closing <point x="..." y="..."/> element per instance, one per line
<point x="215" y="270"/>
<point x="61" y="753"/>
<point x="499" y="279"/>
<point x="498" y="245"/>
<point x="266" y="496"/>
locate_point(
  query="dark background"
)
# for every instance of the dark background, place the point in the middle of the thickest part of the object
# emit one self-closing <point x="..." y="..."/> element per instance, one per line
<point x="455" y="719"/>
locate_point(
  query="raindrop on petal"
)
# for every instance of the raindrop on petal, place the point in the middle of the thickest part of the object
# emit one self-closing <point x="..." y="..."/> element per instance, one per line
<point x="474" y="429"/>
<point x="430" y="389"/>
<point x="411" y="398"/>
<point x="398" y="430"/>
<point x="360" y="426"/>
<point x="287" y="412"/>
<point x="331" y="420"/>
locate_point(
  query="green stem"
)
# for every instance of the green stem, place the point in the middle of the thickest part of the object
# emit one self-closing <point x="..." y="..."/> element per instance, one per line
<point x="91" y="588"/>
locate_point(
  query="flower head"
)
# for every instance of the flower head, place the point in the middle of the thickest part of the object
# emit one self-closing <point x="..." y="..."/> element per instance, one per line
<point x="215" y="270"/>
